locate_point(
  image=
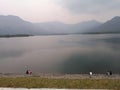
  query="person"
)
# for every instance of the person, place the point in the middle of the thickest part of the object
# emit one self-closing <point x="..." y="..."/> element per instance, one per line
<point x="90" y="73"/>
<point x="30" y="72"/>
<point x="27" y="72"/>
<point x="109" y="73"/>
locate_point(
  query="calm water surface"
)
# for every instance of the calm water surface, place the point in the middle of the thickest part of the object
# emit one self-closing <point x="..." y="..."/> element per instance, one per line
<point x="61" y="54"/>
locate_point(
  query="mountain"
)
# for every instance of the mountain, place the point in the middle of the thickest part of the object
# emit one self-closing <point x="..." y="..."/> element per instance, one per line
<point x="14" y="25"/>
<point x="111" y="26"/>
<point x="55" y="27"/>
<point x="86" y="26"/>
<point x="58" y="27"/>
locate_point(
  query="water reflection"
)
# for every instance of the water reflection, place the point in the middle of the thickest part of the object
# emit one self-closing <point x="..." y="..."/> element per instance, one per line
<point x="61" y="54"/>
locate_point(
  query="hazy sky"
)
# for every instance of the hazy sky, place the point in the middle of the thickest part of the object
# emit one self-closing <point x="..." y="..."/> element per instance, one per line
<point x="68" y="11"/>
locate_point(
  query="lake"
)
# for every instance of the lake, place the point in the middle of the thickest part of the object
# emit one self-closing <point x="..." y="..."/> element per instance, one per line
<point x="72" y="54"/>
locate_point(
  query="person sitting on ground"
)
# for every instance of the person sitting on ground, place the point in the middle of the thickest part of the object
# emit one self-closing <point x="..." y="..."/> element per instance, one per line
<point x="91" y="73"/>
<point x="109" y="73"/>
<point x="27" y="72"/>
<point x="30" y="72"/>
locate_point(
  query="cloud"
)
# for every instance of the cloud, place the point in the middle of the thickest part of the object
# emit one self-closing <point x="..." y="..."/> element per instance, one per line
<point x="90" y="6"/>
<point x="67" y="11"/>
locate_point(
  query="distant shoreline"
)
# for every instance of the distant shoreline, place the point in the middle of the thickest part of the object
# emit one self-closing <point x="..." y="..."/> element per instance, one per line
<point x="27" y="35"/>
<point x="17" y="35"/>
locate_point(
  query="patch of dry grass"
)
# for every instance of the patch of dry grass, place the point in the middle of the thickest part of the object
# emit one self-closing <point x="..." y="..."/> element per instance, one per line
<point x="37" y="82"/>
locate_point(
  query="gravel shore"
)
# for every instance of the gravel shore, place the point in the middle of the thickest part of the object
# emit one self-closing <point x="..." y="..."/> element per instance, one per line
<point x="64" y="76"/>
<point x="45" y="89"/>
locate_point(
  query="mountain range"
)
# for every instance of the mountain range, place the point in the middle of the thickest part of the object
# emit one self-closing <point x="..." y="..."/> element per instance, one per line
<point x="11" y="25"/>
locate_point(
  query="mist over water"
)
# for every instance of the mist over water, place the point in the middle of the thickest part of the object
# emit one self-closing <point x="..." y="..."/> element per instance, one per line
<point x="60" y="54"/>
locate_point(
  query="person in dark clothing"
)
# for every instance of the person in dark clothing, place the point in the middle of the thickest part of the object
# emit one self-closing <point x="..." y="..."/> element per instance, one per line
<point x="110" y="72"/>
<point x="27" y="72"/>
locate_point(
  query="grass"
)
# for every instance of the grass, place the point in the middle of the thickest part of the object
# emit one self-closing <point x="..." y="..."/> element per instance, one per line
<point x="37" y="82"/>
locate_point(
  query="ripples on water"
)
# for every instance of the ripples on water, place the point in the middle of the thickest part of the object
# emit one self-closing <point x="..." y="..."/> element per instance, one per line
<point x="61" y="54"/>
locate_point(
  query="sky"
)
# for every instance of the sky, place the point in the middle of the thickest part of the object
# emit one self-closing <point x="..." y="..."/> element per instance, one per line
<point x="67" y="11"/>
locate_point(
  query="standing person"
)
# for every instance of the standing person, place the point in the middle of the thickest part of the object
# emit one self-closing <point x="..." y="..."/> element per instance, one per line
<point x="109" y="73"/>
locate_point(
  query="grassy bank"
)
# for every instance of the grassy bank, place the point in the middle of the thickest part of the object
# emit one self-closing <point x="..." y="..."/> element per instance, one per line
<point x="37" y="82"/>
